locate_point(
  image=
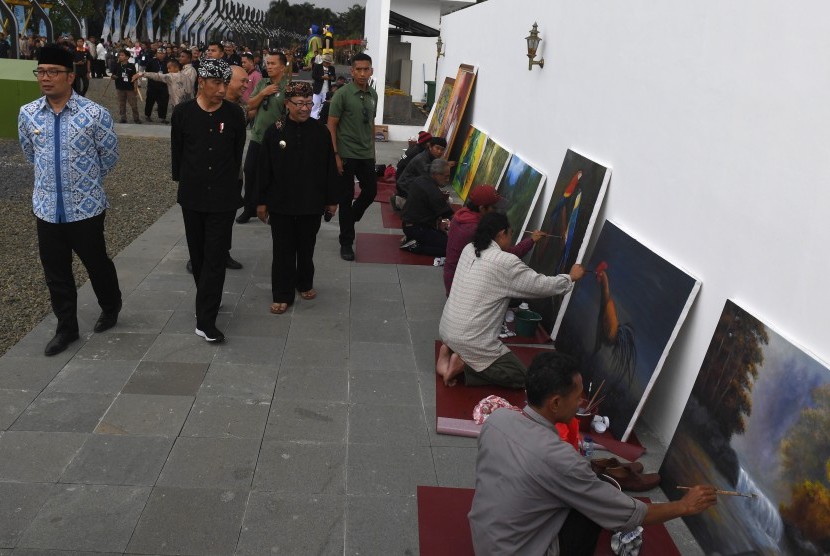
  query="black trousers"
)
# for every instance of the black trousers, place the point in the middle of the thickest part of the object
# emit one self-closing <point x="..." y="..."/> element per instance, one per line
<point x="364" y="170"/>
<point x="251" y="160"/>
<point x="81" y="83"/>
<point x="158" y="96"/>
<point x="292" y="266"/>
<point x="579" y="535"/>
<point x="209" y="237"/>
<point x="56" y="242"/>
<point x="431" y="241"/>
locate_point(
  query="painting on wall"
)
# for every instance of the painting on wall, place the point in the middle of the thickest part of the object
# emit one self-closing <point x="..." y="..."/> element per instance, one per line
<point x="439" y="108"/>
<point x="569" y="218"/>
<point x="621" y="320"/>
<point x="457" y="103"/>
<point x="520" y="185"/>
<point x="756" y="423"/>
<point x="493" y="162"/>
<point x="468" y="161"/>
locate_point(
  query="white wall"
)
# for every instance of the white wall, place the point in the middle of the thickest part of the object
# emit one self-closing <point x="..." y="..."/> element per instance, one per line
<point x="713" y="117"/>
<point x="426" y="12"/>
<point x="376" y="27"/>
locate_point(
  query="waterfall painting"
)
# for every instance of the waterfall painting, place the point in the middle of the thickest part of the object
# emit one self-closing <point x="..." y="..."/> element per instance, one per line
<point x="520" y="185"/>
<point x="621" y="321"/>
<point x="757" y="423"/>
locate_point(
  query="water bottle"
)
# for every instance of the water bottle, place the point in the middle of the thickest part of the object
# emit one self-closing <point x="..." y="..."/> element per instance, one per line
<point x="524" y="307"/>
<point x="588" y="446"/>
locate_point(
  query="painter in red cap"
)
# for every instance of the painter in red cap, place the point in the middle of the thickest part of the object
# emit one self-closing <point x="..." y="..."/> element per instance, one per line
<point x="423" y="137"/>
<point x="484" y="196"/>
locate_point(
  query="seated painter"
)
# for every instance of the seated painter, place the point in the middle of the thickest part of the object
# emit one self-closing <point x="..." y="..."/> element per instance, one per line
<point x="419" y="167"/>
<point x="535" y="494"/>
<point x="427" y="212"/>
<point x="486" y="278"/>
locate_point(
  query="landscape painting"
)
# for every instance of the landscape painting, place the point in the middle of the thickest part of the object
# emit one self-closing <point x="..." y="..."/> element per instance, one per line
<point x="569" y="218"/>
<point x="457" y="103"/>
<point x="492" y="164"/>
<point x="520" y="186"/>
<point x="468" y="161"/>
<point x="439" y="109"/>
<point x="621" y="321"/>
<point x="757" y="423"/>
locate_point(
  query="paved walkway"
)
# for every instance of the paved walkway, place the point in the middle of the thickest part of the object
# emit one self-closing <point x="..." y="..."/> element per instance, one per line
<point x="305" y="433"/>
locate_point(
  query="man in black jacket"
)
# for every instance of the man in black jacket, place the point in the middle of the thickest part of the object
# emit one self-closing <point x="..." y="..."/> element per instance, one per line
<point x="157" y="92"/>
<point x="207" y="138"/>
<point x="297" y="180"/>
<point x="427" y="212"/>
<point x="323" y="76"/>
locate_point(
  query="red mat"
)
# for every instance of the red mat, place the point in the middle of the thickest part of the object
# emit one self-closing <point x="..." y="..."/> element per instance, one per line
<point x="444" y="530"/>
<point x="541" y="336"/>
<point x="391" y="219"/>
<point x="386" y="249"/>
<point x="454" y="405"/>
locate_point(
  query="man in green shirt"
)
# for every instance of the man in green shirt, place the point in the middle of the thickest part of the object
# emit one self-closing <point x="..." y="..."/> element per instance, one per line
<point x="352" y="125"/>
<point x="266" y="105"/>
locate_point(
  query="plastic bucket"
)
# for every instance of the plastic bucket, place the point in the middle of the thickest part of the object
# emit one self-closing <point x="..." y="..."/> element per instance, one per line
<point x="527" y="322"/>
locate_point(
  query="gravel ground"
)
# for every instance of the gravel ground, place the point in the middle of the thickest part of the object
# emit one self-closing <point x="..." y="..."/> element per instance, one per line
<point x="139" y="189"/>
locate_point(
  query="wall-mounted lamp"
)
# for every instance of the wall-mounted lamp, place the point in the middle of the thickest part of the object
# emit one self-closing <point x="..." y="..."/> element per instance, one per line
<point x="533" y="41"/>
<point x="439" y="46"/>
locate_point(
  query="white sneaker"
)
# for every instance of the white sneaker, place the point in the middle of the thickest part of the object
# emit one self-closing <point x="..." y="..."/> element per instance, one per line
<point x="408" y="244"/>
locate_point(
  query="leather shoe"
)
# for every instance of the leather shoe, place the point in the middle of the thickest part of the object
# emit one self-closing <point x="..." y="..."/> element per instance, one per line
<point x="107" y="320"/>
<point x="189" y="266"/>
<point x="599" y="465"/>
<point x="632" y="481"/>
<point x="346" y="253"/>
<point x="233" y="264"/>
<point x="244" y="217"/>
<point x="59" y="343"/>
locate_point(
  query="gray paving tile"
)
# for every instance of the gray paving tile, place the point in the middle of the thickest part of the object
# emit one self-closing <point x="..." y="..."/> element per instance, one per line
<point x="424" y="353"/>
<point x="383" y="387"/>
<point x="313" y="353"/>
<point x="116" y="346"/>
<point x="364" y="293"/>
<point x="109" y="459"/>
<point x="387" y="424"/>
<point x="183" y="322"/>
<point x="331" y="302"/>
<point x="383" y="470"/>
<point x="399" y="533"/>
<point x="147" y="415"/>
<point x="12" y="404"/>
<point x="304" y="468"/>
<point x="455" y="466"/>
<point x="240" y="381"/>
<point x="424" y="331"/>
<point x="28" y="373"/>
<point x="33" y="344"/>
<point x="85" y="376"/>
<point x="307" y="421"/>
<point x="181" y="348"/>
<point x="419" y="308"/>
<point x="87" y="517"/>
<point x="243" y="350"/>
<point x="19" y="504"/>
<point x="236" y="282"/>
<point x="385" y="330"/>
<point x="153" y="300"/>
<point x="330" y="329"/>
<point x="140" y="321"/>
<point x="256" y="299"/>
<point x="190" y="521"/>
<point x="221" y="417"/>
<point x="292" y="524"/>
<point x="215" y="462"/>
<point x="308" y="383"/>
<point x="376" y="310"/>
<point x="366" y="272"/>
<point x="144" y="248"/>
<point x="381" y="357"/>
<point x="166" y="378"/>
<point x="38" y="457"/>
<point x="64" y="412"/>
<point x="264" y="326"/>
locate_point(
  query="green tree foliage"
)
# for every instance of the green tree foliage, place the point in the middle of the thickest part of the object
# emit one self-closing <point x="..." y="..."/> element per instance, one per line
<point x="299" y="17"/>
<point x="731" y="363"/>
<point x="805" y="453"/>
<point x="809" y="512"/>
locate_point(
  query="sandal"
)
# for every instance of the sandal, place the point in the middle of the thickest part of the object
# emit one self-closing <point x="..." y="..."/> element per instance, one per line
<point x="279" y="308"/>
<point x="309" y="295"/>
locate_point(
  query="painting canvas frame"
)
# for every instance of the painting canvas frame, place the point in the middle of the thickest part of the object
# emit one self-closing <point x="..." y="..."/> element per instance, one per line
<point x="622" y="320"/>
<point x="467" y="162"/>
<point x="521" y="184"/>
<point x="462" y="88"/>
<point x="756" y="422"/>
<point x="493" y="163"/>
<point x="554" y="255"/>
<point x="439" y="107"/>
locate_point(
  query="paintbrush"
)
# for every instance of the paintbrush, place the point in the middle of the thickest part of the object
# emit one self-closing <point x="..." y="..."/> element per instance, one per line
<point x="592" y="407"/>
<point x="726" y="492"/>
<point x="594" y="397"/>
<point x="543" y="233"/>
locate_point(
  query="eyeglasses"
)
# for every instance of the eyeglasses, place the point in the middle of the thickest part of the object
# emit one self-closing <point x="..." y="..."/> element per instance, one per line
<point x="307" y="104"/>
<point x="50" y="72"/>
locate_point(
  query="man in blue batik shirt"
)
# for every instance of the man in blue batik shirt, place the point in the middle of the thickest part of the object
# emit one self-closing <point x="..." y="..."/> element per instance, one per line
<point x="71" y="142"/>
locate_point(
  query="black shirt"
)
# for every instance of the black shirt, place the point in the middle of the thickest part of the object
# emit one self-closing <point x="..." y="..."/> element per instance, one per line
<point x="206" y="149"/>
<point x="80" y="59"/>
<point x="425" y="204"/>
<point x="123" y="76"/>
<point x="300" y="178"/>
<point x="157" y="66"/>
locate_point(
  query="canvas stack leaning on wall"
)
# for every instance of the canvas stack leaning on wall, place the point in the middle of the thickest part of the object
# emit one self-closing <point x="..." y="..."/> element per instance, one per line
<point x="439" y="109"/>
<point x="757" y="422"/>
<point x="621" y="321"/>
<point x="446" y="115"/>
<point x="572" y="211"/>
